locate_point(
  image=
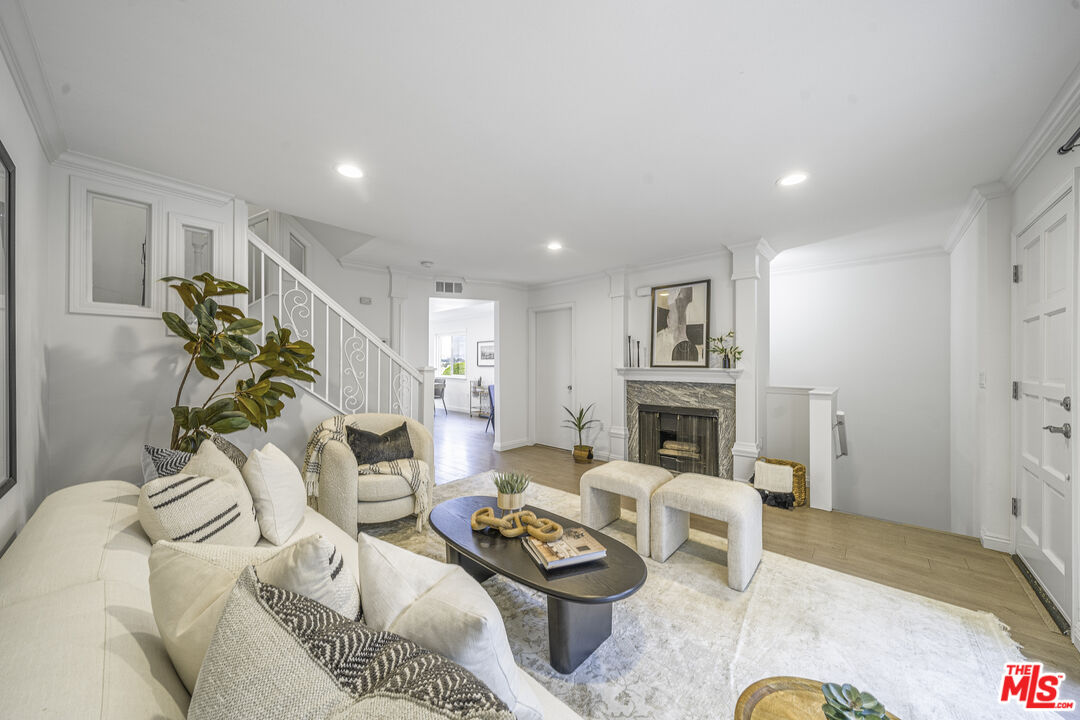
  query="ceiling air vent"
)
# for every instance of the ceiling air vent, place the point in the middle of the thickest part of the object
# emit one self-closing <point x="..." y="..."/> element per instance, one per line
<point x="449" y="287"/>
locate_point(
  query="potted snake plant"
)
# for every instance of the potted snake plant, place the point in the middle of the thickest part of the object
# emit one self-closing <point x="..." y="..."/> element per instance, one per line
<point x="580" y="422"/>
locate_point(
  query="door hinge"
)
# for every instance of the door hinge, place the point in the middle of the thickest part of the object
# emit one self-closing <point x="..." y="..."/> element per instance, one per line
<point x="1016" y="507"/>
<point x="1016" y="390"/>
<point x="1016" y="273"/>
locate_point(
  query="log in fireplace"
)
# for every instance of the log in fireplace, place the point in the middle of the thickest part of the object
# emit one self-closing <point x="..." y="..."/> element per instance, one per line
<point x="679" y="439"/>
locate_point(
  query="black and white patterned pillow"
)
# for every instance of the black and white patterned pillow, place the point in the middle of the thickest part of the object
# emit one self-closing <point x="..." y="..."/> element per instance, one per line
<point x="275" y="652"/>
<point x="235" y="454"/>
<point x="159" y="462"/>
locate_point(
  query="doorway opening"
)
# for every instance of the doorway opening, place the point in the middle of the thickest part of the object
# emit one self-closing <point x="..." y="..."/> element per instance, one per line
<point x="461" y="344"/>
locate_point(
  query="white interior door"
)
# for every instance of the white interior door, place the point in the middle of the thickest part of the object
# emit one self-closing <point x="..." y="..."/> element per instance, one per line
<point x="554" y="377"/>
<point x="1044" y="330"/>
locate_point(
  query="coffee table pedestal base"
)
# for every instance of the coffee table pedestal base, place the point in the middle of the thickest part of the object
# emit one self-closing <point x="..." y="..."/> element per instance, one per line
<point x="575" y="630"/>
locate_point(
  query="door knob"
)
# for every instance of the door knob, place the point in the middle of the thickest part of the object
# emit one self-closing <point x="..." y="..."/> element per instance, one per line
<point x="1066" y="402"/>
<point x="569" y="387"/>
<point x="1065" y="430"/>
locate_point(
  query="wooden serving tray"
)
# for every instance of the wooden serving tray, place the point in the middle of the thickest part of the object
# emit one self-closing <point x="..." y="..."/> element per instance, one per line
<point x="783" y="698"/>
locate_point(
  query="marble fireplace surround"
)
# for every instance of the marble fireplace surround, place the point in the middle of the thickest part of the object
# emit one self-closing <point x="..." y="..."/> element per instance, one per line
<point x="707" y="395"/>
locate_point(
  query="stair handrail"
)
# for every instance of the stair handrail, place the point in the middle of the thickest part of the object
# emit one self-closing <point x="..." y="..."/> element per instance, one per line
<point x="325" y="298"/>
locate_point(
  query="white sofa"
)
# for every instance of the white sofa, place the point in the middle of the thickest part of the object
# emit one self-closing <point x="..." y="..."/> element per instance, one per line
<point x="77" y="636"/>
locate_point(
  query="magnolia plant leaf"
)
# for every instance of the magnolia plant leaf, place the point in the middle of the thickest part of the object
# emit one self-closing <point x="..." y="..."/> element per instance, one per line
<point x="176" y="324"/>
<point x="244" y="326"/>
<point x="204" y="369"/>
<point x="230" y="424"/>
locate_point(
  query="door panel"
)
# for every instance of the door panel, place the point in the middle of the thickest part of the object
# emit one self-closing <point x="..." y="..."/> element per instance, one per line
<point x="1045" y="317"/>
<point x="553" y="377"/>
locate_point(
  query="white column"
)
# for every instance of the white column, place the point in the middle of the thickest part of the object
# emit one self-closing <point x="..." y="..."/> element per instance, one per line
<point x="822" y="453"/>
<point x="399" y="291"/>
<point x="750" y="270"/>
<point x="619" y="331"/>
<point x="427" y="395"/>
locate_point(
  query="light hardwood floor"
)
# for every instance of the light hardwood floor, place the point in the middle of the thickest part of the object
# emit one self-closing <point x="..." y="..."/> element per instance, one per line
<point x="952" y="568"/>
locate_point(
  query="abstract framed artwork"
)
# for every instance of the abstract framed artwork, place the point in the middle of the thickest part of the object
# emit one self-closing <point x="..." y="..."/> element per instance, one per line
<point x="485" y="353"/>
<point x="680" y="325"/>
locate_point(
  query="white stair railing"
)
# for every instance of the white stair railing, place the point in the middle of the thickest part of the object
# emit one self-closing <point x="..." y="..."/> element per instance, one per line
<point x="359" y="373"/>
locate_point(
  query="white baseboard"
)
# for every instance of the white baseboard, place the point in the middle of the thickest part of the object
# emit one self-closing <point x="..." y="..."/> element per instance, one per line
<point x="996" y="542"/>
<point x="500" y="447"/>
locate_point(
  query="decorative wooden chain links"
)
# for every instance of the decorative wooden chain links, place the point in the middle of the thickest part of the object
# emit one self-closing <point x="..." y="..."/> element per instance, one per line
<point x="517" y="524"/>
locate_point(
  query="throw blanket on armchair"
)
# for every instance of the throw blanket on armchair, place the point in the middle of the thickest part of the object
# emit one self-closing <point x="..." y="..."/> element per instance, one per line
<point x="418" y="476"/>
<point x="415" y="472"/>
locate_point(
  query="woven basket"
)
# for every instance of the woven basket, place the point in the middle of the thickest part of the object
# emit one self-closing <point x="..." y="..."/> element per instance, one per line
<point x="798" y="478"/>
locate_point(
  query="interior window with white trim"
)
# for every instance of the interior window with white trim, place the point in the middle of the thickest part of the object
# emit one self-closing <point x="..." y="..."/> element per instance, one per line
<point x="450" y="355"/>
<point x="120" y="244"/>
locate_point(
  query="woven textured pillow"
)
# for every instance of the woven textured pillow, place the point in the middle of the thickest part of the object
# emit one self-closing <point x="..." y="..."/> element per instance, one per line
<point x="194" y="508"/>
<point x="209" y="460"/>
<point x="275" y="654"/>
<point x="189" y="585"/>
<point x="159" y="462"/>
<point x="370" y="448"/>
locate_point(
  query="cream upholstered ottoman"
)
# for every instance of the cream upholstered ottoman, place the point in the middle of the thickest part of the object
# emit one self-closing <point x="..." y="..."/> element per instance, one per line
<point x="602" y="487"/>
<point x="736" y="503"/>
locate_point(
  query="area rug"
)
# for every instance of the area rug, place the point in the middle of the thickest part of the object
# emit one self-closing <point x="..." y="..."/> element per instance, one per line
<point x="686" y="645"/>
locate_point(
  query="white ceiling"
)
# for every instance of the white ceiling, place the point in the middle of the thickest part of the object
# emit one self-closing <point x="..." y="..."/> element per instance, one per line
<point x="631" y="130"/>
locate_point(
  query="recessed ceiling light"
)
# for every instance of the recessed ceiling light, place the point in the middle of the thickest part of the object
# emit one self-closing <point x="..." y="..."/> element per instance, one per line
<point x="790" y="179"/>
<point x="427" y="263"/>
<point x="349" y="170"/>
<point x="554" y="245"/>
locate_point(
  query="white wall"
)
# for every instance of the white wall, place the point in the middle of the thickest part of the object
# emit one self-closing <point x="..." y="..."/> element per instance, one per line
<point x="477" y="322"/>
<point x="511" y="396"/>
<point x="963" y="377"/>
<point x="879" y="331"/>
<point x="592" y="308"/>
<point x="32" y="285"/>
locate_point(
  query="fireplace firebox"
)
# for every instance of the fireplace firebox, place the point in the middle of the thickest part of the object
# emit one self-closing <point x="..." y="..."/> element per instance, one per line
<point x="679" y="439"/>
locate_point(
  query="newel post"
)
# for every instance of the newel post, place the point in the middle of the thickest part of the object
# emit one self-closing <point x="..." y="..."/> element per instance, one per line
<point x="427" y="398"/>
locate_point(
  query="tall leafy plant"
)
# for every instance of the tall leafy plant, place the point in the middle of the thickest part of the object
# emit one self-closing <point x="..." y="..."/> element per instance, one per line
<point x="219" y="346"/>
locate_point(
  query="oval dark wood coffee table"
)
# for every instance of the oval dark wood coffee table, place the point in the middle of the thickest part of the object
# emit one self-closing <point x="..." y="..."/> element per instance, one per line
<point x="579" y="597"/>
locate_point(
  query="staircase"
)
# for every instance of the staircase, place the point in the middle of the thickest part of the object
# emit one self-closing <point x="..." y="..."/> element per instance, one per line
<point x="359" y="373"/>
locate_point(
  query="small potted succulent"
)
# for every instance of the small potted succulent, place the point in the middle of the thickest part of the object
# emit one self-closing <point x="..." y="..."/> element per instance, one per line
<point x="844" y="702"/>
<point x="578" y="421"/>
<point x="725" y="347"/>
<point x="511" y="487"/>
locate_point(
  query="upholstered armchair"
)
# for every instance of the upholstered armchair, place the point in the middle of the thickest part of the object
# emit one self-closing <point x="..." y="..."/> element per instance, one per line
<point x="349" y="499"/>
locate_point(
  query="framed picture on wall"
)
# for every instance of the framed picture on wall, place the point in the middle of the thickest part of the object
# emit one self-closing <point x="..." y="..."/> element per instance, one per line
<point x="485" y="353"/>
<point x="680" y="325"/>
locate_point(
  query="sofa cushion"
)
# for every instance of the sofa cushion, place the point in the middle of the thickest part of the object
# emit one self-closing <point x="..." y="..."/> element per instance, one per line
<point x="78" y="535"/>
<point x="369" y="447"/>
<point x="189" y="585"/>
<point x="443" y="609"/>
<point x="276" y="654"/>
<point x="194" y="508"/>
<point x="86" y="651"/>
<point x="278" y="491"/>
<point x="376" y="488"/>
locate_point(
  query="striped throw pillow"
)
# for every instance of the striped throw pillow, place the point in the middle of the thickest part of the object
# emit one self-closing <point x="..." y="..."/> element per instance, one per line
<point x="194" y="508"/>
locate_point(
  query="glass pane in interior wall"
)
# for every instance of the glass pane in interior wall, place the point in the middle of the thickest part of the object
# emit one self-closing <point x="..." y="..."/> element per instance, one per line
<point x="198" y="251"/>
<point x="261" y="229"/>
<point x="297" y="255"/>
<point x="120" y="239"/>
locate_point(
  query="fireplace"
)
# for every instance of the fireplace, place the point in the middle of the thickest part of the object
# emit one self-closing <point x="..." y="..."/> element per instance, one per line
<point x="679" y="439"/>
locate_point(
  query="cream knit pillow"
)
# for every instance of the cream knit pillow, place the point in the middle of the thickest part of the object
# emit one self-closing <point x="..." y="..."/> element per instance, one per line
<point x="278" y="491"/>
<point x="212" y="462"/>
<point x="190" y="583"/>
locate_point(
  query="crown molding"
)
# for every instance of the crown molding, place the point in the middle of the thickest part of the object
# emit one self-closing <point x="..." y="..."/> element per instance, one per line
<point x="20" y="51"/>
<point x="1057" y="119"/>
<point x="980" y="195"/>
<point x="348" y="264"/>
<point x="872" y="260"/>
<point x="152" y="182"/>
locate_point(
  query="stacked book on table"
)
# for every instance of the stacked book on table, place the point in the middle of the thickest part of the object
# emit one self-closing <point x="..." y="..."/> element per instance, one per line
<point x="576" y="546"/>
